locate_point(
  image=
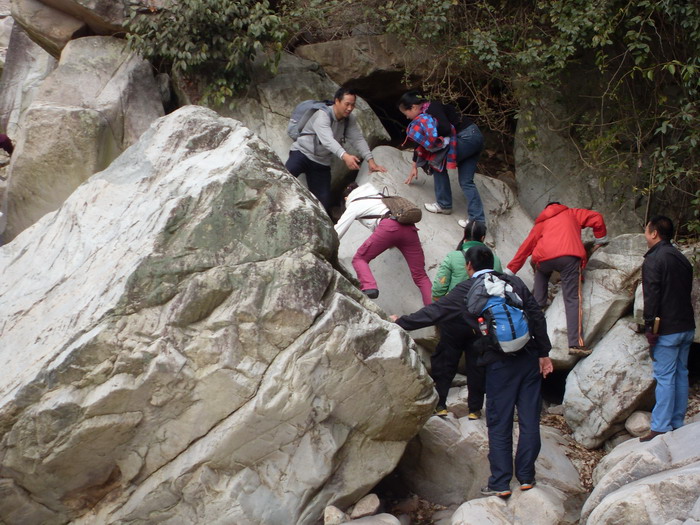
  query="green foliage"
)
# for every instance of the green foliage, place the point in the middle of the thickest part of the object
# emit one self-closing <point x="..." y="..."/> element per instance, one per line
<point x="211" y="40"/>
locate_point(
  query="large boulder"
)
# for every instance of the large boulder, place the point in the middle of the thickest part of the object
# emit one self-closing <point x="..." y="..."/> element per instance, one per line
<point x="637" y="464"/>
<point x="507" y="223"/>
<point x="609" y="282"/>
<point x="555" y="500"/>
<point x="177" y="346"/>
<point x="90" y="109"/>
<point x="652" y="482"/>
<point x="50" y="28"/>
<point x="269" y="102"/>
<point x="549" y="168"/>
<point x="26" y="66"/>
<point x="606" y="387"/>
<point x="375" y="63"/>
<point x="54" y="23"/>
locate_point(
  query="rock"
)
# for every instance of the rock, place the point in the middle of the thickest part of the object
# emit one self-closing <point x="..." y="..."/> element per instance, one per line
<point x="26" y="66"/>
<point x="367" y="506"/>
<point x="6" y="24"/>
<point x="551" y="169"/>
<point x="356" y="58"/>
<point x="379" y="519"/>
<point x="334" y="516"/>
<point x="638" y="423"/>
<point x="668" y="465"/>
<point x="661" y="498"/>
<point x="438" y="233"/>
<point x="542" y="505"/>
<point x="177" y="345"/>
<point x="92" y="107"/>
<point x="447" y="463"/>
<point x="610" y="278"/>
<point x="269" y="102"/>
<point x="606" y="387"/>
<point x="457" y="401"/>
<point x="50" y="28"/>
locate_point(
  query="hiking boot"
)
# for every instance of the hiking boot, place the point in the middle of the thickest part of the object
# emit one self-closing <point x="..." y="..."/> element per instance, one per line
<point x="527" y="485"/>
<point x="474" y="415"/>
<point x="463" y="222"/>
<point x="435" y="208"/>
<point x="372" y="293"/>
<point x="440" y="411"/>
<point x="650" y="435"/>
<point x="486" y="491"/>
<point x="580" y="351"/>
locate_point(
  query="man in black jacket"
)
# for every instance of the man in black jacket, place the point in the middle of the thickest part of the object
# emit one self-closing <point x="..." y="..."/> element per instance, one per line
<point x="667" y="280"/>
<point x="513" y="380"/>
<point x="458" y="331"/>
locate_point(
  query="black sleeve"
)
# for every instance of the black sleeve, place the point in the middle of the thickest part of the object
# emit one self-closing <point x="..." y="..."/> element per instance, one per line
<point x="447" y="308"/>
<point x="437" y="110"/>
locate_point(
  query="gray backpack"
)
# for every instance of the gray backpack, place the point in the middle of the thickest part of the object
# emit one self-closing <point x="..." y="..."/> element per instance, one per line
<point x="303" y="112"/>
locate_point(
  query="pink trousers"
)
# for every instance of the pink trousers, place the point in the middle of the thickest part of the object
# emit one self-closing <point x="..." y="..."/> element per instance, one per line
<point x="392" y="234"/>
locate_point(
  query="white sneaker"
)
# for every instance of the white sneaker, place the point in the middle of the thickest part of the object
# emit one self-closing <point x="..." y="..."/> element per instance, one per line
<point x="463" y="222"/>
<point x="434" y="207"/>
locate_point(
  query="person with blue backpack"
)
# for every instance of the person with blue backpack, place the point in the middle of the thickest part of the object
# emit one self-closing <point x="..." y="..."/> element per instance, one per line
<point x="516" y="359"/>
<point x="320" y="135"/>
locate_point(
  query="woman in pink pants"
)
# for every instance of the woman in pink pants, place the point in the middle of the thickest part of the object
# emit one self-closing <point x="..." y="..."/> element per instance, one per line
<point x="386" y="233"/>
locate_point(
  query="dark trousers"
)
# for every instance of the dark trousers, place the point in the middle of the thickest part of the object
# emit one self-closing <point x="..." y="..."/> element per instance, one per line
<point x="445" y="361"/>
<point x="514" y="381"/>
<point x="318" y="176"/>
<point x="569" y="268"/>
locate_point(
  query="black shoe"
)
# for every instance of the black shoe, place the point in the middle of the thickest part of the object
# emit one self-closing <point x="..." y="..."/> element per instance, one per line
<point x="372" y="293"/>
<point x="486" y="491"/>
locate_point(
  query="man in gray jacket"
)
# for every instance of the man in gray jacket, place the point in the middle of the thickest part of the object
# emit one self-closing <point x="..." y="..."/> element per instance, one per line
<point x="322" y="138"/>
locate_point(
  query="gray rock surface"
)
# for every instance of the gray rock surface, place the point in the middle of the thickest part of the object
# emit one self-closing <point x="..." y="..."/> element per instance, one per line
<point x="178" y="347"/>
<point x="665" y="467"/>
<point x="86" y="112"/>
<point x="26" y="66"/>
<point x="606" y="387"/>
<point x="50" y="28"/>
<point x="549" y="168"/>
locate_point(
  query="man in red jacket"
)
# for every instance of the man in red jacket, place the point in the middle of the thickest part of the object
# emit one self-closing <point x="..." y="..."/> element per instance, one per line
<point x="555" y="245"/>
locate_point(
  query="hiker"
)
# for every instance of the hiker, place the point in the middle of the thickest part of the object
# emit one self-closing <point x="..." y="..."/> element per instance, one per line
<point x="6" y="144"/>
<point x="458" y="332"/>
<point x="469" y="144"/>
<point x="555" y="245"/>
<point x="386" y="233"/>
<point x="667" y="282"/>
<point x="512" y="379"/>
<point x="453" y="270"/>
<point x="320" y="140"/>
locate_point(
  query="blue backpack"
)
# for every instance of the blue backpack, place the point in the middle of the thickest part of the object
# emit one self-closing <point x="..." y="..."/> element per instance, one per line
<point x="504" y="320"/>
<point x="303" y="112"/>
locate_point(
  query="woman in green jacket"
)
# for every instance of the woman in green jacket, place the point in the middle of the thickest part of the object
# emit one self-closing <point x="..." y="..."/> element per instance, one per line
<point x="453" y="270"/>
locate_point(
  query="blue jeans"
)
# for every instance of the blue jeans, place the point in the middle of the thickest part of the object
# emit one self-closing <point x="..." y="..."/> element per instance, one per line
<point x="670" y="355"/>
<point x="470" y="143"/>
